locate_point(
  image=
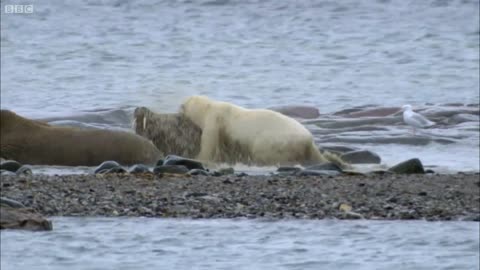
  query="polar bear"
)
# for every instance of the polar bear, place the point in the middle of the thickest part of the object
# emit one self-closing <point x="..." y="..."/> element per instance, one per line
<point x="232" y="134"/>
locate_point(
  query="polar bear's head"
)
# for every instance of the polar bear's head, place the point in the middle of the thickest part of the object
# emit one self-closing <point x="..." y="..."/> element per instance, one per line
<point x="195" y="108"/>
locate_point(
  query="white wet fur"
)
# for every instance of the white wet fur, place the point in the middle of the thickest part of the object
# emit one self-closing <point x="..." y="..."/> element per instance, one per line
<point x="414" y="119"/>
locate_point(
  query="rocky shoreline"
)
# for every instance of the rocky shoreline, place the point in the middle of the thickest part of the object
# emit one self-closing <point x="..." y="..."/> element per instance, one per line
<point x="371" y="196"/>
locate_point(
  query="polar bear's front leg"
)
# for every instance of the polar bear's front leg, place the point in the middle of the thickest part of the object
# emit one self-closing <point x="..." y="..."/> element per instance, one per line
<point x="209" y="143"/>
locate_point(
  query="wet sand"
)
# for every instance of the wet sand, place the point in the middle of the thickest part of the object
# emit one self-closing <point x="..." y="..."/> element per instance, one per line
<point x="390" y="196"/>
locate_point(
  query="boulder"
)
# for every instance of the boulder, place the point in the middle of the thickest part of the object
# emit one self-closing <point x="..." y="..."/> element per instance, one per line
<point x="105" y="166"/>
<point x="288" y="169"/>
<point x="411" y="166"/>
<point x="226" y="171"/>
<point x="328" y="166"/>
<point x="10" y="165"/>
<point x="139" y="168"/>
<point x="189" y="163"/>
<point x="24" y="170"/>
<point x="171" y="169"/>
<point x="198" y="172"/>
<point x="361" y="157"/>
<point x="13" y="215"/>
<point x="317" y="173"/>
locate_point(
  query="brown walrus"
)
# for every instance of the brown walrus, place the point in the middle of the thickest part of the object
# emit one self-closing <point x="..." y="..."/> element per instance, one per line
<point x="38" y="143"/>
<point x="171" y="133"/>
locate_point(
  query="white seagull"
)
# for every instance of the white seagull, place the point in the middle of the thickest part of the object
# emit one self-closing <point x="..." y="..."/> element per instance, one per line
<point x="414" y="119"/>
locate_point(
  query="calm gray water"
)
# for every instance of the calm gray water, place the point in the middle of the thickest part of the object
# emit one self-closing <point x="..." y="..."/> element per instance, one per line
<point x="74" y="57"/>
<point x="136" y="243"/>
<point x="80" y="55"/>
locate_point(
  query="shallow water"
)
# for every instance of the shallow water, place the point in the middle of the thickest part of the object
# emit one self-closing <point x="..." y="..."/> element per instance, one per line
<point x="104" y="58"/>
<point x="68" y="59"/>
<point x="142" y="243"/>
<point x="85" y="55"/>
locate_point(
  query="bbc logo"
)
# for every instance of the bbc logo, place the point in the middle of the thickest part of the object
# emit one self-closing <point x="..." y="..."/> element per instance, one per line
<point x="19" y="9"/>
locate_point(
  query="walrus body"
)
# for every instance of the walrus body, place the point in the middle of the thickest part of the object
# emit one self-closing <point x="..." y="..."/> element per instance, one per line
<point x="171" y="133"/>
<point x="38" y="143"/>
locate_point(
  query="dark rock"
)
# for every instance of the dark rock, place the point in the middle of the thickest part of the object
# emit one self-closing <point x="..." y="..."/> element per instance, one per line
<point x="287" y="169"/>
<point x="139" y="168"/>
<point x="471" y="217"/>
<point x="380" y="172"/>
<point x="430" y="171"/>
<point x="361" y="157"/>
<point x="241" y="174"/>
<point x="226" y="171"/>
<point x="198" y="172"/>
<point x="227" y="181"/>
<point x="10" y="203"/>
<point x="159" y="162"/>
<point x="106" y="165"/>
<point x="24" y="170"/>
<point x="216" y="173"/>
<point x="173" y="169"/>
<point x="196" y="194"/>
<point x="5" y="172"/>
<point x="317" y="172"/>
<point x="327" y="166"/>
<point x="114" y="170"/>
<point x="10" y="165"/>
<point x="22" y="218"/>
<point x="410" y="166"/>
<point x="189" y="163"/>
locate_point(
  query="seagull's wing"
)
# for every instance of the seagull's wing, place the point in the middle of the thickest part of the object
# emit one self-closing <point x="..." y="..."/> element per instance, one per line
<point x="420" y="121"/>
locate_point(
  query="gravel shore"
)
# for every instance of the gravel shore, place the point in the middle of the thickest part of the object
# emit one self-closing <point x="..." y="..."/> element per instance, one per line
<point x="389" y="196"/>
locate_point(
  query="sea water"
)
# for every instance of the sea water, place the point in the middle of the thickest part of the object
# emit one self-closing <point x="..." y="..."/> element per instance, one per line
<point x="70" y="58"/>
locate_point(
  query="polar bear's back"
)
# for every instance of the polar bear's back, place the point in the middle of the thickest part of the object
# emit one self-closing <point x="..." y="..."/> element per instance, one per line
<point x="260" y="123"/>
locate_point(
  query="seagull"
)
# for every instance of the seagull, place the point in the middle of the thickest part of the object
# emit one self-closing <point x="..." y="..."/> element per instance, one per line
<point x="414" y="119"/>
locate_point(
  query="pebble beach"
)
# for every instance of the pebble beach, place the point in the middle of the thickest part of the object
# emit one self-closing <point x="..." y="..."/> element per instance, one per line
<point x="373" y="196"/>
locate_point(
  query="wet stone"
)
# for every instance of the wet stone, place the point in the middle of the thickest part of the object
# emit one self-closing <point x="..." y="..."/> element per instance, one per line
<point x="198" y="172"/>
<point x="24" y="170"/>
<point x="287" y="169"/>
<point x="115" y="170"/>
<point x="15" y="216"/>
<point x="5" y="172"/>
<point x="317" y="172"/>
<point x="105" y="166"/>
<point x="411" y="166"/>
<point x="226" y="171"/>
<point x="11" y="203"/>
<point x="10" y="165"/>
<point x="139" y="168"/>
<point x="327" y="166"/>
<point x="361" y="157"/>
<point x="189" y="163"/>
<point x="159" y="162"/>
<point x="173" y="169"/>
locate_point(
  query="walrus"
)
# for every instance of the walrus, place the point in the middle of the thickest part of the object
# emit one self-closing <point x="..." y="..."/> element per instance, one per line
<point x="38" y="143"/>
<point x="172" y="133"/>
